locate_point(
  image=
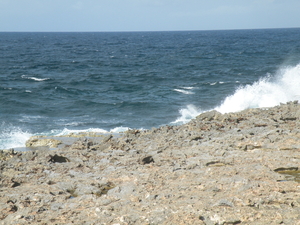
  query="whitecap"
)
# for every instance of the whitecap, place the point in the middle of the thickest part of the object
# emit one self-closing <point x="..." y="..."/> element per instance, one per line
<point x="188" y="88"/>
<point x="184" y="91"/>
<point x="34" y="78"/>
<point x="38" y="79"/>
<point x="218" y="82"/>
<point x="30" y="118"/>
<point x="72" y="124"/>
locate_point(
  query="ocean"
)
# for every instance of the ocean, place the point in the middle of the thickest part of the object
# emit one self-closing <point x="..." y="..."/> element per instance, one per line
<point x="56" y="83"/>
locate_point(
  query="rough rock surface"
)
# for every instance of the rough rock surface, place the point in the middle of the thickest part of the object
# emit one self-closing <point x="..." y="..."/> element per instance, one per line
<point x="36" y="142"/>
<point x="234" y="168"/>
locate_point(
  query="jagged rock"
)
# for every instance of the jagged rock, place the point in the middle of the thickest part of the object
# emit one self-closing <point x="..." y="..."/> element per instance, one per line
<point x="38" y="142"/>
<point x="209" y="116"/>
<point x="7" y="154"/>
<point x="236" y="168"/>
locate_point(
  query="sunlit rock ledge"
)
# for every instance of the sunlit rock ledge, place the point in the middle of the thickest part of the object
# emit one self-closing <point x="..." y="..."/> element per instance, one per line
<point x="234" y="168"/>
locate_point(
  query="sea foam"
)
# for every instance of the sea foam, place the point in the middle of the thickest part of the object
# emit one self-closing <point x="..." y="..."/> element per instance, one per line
<point x="186" y="114"/>
<point x="13" y="137"/>
<point x="67" y="131"/>
<point x="267" y="92"/>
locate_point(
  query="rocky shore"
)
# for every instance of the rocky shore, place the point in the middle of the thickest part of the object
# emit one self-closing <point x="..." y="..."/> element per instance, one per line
<point x="235" y="168"/>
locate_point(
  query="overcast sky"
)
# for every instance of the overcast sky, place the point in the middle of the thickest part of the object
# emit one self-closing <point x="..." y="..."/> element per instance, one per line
<point x="146" y="15"/>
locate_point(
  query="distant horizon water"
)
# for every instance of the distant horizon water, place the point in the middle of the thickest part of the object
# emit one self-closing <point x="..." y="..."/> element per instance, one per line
<point x="146" y="31"/>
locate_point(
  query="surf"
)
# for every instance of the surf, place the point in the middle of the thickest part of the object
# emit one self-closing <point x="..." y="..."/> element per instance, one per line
<point x="268" y="91"/>
<point x="13" y="137"/>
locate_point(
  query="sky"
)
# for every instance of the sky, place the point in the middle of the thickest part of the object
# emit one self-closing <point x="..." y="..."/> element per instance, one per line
<point x="146" y="15"/>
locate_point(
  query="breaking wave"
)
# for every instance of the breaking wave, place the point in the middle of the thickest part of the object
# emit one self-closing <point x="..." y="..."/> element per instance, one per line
<point x="12" y="137"/>
<point x="267" y="92"/>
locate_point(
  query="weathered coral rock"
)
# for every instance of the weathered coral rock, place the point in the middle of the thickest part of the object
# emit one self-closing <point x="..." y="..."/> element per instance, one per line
<point x="38" y="142"/>
<point x="236" y="168"/>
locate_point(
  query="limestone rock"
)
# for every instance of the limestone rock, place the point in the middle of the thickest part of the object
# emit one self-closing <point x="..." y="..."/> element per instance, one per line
<point x="38" y="142"/>
<point x="234" y="168"/>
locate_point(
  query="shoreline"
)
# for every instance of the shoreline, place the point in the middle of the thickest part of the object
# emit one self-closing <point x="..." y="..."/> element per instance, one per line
<point x="56" y="142"/>
<point x="232" y="168"/>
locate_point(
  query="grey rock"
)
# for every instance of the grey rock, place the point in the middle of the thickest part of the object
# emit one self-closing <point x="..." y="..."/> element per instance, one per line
<point x="236" y="168"/>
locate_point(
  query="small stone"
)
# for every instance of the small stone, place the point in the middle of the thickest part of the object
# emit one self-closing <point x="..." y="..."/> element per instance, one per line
<point x="146" y="160"/>
<point x="58" y="159"/>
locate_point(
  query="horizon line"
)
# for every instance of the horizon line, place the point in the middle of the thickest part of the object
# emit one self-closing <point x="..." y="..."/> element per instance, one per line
<point x="136" y="31"/>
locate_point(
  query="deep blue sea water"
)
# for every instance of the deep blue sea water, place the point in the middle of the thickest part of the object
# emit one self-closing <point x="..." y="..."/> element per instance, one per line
<point x="55" y="83"/>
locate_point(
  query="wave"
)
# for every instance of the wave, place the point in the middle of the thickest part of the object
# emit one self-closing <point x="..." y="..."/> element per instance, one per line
<point x="67" y="131"/>
<point x="188" y="88"/>
<point x="35" y="78"/>
<point x="184" y="91"/>
<point x="13" y="137"/>
<point x="218" y="82"/>
<point x="28" y="118"/>
<point x="187" y="114"/>
<point x="267" y="92"/>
